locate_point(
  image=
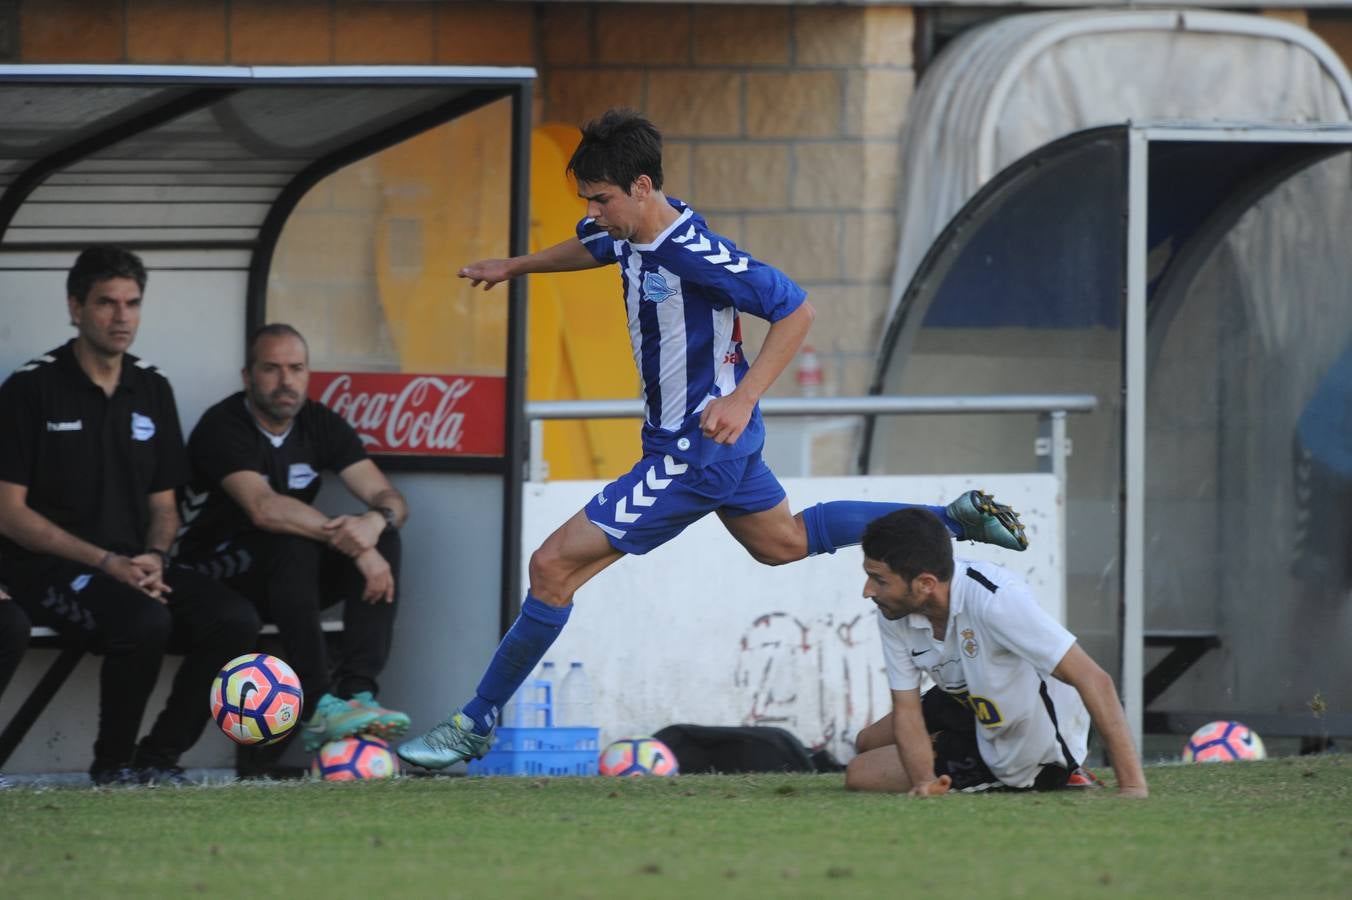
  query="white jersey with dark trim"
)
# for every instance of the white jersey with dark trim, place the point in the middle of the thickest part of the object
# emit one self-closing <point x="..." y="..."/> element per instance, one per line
<point x="683" y="294"/>
<point x="997" y="656"/>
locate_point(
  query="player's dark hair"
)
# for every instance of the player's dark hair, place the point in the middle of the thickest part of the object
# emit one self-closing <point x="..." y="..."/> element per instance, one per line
<point x="95" y="264"/>
<point x="618" y="148"/>
<point x="911" y="542"/>
<point x="274" y="329"/>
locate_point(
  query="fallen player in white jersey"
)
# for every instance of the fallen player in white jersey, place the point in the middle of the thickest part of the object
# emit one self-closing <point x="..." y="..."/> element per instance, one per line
<point x="1014" y="693"/>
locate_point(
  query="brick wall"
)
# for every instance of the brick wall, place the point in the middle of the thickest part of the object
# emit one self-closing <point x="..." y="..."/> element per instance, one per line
<point x="293" y="32"/>
<point x="781" y="126"/>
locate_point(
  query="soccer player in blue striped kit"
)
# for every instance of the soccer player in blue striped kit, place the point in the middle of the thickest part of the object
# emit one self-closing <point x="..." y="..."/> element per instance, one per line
<point x="684" y="287"/>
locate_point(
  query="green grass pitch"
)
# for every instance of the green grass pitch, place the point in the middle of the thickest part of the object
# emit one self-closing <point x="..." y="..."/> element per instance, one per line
<point x="1278" y="828"/>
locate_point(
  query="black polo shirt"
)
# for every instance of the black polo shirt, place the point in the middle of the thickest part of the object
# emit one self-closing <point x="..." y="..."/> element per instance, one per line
<point x="228" y="439"/>
<point x="90" y="461"/>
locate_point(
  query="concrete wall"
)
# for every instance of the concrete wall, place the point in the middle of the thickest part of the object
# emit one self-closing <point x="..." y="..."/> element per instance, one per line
<point x="696" y="632"/>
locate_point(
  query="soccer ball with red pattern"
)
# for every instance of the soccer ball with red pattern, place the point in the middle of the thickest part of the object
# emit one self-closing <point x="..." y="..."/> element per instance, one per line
<point x="355" y="759"/>
<point x="256" y="699"/>
<point x="638" y="756"/>
<point x="1223" y="742"/>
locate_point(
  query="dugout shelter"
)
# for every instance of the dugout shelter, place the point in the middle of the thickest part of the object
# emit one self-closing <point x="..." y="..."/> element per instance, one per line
<point x="1152" y="206"/>
<point x="334" y="198"/>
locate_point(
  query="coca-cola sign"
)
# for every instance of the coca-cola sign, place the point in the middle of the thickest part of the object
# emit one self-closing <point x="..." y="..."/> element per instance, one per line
<point x="417" y="415"/>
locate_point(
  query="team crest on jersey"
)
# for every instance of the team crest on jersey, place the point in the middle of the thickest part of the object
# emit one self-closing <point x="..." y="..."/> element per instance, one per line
<point x="142" y="427"/>
<point x="969" y="646"/>
<point x="655" y="287"/>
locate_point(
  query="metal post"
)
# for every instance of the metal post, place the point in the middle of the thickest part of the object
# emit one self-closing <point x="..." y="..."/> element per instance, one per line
<point x="539" y="469"/>
<point x="518" y="361"/>
<point x="1133" y="437"/>
<point x="1052" y="449"/>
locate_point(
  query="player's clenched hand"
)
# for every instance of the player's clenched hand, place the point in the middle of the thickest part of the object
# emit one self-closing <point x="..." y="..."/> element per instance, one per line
<point x="354" y="535"/>
<point x="724" y="418"/>
<point x="933" y="788"/>
<point x="379" y="578"/>
<point x="487" y="272"/>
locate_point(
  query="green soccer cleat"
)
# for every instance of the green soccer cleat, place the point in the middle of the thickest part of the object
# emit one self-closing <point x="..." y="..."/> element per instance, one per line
<point x="333" y="720"/>
<point x="445" y="745"/>
<point x="389" y="723"/>
<point x="984" y="520"/>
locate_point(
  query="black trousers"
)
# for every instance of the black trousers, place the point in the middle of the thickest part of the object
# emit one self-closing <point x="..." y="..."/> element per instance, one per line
<point x="201" y="619"/>
<point x="952" y="729"/>
<point x="292" y="580"/>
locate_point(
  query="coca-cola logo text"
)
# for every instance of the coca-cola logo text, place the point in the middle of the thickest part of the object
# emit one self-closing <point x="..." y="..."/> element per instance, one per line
<point x="397" y="413"/>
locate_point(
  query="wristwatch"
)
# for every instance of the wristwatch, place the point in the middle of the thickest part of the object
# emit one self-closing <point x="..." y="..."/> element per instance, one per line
<point x="391" y="520"/>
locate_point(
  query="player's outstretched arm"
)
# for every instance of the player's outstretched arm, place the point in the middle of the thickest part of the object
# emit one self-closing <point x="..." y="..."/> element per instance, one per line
<point x="1099" y="694"/>
<point x="568" y="256"/>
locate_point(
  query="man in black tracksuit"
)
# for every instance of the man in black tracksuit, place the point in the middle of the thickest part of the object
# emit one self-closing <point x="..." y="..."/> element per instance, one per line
<point x="92" y="456"/>
<point x="257" y="459"/>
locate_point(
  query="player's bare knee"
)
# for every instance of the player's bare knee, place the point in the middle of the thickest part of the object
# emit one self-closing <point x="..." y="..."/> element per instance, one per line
<point x="778" y="553"/>
<point x="791" y="544"/>
<point x="549" y="576"/>
<point x="778" y="558"/>
<point x="764" y="558"/>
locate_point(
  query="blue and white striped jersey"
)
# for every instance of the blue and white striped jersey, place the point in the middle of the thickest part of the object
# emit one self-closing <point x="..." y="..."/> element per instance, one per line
<point x="682" y="296"/>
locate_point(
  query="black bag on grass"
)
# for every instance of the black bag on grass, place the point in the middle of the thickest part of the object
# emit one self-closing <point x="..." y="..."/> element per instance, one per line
<point x="757" y="748"/>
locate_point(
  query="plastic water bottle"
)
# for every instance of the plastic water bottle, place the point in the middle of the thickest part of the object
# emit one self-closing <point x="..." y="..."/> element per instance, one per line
<point x="544" y="695"/>
<point x="576" y="709"/>
<point x="809" y="372"/>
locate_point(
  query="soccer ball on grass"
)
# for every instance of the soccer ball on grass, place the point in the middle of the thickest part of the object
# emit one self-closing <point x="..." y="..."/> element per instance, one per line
<point x="1223" y="742"/>
<point x="638" y="756"/>
<point x="355" y="759"/>
<point x="256" y="699"/>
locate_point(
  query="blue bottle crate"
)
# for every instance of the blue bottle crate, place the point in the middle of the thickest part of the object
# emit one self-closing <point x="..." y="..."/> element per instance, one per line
<point x="540" y="751"/>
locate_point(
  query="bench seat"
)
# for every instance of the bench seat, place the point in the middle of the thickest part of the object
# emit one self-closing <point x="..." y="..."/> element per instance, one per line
<point x="70" y="653"/>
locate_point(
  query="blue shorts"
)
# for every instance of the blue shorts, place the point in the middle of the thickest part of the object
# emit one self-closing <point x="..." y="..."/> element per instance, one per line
<point x="655" y="501"/>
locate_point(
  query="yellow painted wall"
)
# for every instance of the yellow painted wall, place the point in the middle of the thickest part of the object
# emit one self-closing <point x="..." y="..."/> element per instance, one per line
<point x="445" y="202"/>
<point x="579" y="341"/>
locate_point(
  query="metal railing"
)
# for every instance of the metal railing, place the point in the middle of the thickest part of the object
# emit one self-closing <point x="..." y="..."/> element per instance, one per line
<point x="1053" y="446"/>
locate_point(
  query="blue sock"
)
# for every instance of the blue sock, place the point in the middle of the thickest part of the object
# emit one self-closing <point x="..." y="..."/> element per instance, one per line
<point x="522" y="648"/>
<point x="841" y="523"/>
